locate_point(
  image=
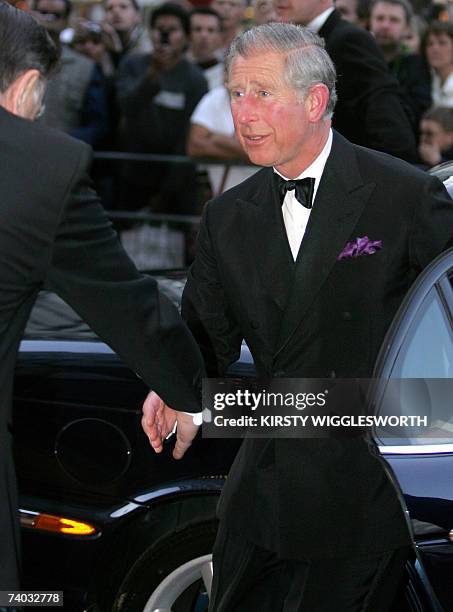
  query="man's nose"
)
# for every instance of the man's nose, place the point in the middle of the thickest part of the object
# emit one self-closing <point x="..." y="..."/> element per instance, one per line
<point x="247" y="110"/>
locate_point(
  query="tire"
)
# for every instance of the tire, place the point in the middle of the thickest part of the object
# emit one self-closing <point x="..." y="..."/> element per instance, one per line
<point x="174" y="575"/>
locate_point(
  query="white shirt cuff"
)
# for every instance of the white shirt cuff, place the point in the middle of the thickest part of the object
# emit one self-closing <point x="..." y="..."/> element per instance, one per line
<point x="197" y="417"/>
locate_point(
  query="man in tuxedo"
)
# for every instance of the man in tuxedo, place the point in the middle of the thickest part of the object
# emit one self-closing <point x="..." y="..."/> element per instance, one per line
<point x="306" y="524"/>
<point x="369" y="110"/>
<point x="54" y="231"/>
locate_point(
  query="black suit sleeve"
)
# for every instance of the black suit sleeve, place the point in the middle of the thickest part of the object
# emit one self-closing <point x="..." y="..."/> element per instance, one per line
<point x="90" y="270"/>
<point x="205" y="307"/>
<point x="369" y="110"/>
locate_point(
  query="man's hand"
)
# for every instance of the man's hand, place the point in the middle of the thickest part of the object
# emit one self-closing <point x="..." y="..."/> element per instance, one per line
<point x="110" y="38"/>
<point x="159" y="420"/>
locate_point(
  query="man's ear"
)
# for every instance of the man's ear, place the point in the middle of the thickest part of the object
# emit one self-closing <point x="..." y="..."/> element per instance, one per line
<point x="19" y="98"/>
<point x="316" y="101"/>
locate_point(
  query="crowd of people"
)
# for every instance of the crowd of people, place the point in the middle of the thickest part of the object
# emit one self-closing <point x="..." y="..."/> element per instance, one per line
<point x="152" y="83"/>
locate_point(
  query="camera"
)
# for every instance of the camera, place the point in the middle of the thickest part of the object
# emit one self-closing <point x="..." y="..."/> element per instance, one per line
<point x="164" y="37"/>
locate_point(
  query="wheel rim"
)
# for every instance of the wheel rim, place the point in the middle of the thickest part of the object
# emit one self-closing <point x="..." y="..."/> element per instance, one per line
<point x="168" y="591"/>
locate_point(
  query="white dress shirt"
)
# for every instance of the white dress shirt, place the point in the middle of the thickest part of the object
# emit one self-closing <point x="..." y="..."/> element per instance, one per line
<point x="442" y="93"/>
<point x="295" y="216"/>
<point x="316" y="24"/>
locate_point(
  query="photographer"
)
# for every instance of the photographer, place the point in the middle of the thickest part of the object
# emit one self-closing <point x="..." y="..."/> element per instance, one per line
<point x="157" y="94"/>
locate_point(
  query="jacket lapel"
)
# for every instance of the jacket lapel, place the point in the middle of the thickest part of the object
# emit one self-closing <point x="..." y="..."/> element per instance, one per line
<point x="264" y="243"/>
<point x="339" y="203"/>
<point x="330" y="23"/>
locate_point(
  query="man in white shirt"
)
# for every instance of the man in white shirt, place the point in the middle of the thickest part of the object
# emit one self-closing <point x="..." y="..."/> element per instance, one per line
<point x="309" y="524"/>
<point x="205" y="42"/>
<point x="212" y="135"/>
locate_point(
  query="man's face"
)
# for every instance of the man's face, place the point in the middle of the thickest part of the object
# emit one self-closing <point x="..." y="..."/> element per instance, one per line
<point x="51" y="14"/>
<point x="264" y="11"/>
<point x="299" y="11"/>
<point x="121" y="15"/>
<point x="169" y="38"/>
<point x="388" y="24"/>
<point x="348" y="10"/>
<point x="230" y="11"/>
<point x="90" y="46"/>
<point x="204" y="35"/>
<point x="271" y="122"/>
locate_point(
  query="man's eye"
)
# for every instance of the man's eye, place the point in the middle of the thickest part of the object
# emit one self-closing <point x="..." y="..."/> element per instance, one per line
<point x="264" y="94"/>
<point x="236" y="94"/>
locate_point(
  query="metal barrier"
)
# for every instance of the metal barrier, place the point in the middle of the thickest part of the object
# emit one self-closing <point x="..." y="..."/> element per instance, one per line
<point x="157" y="241"/>
<point x="178" y="159"/>
<point x="154" y="240"/>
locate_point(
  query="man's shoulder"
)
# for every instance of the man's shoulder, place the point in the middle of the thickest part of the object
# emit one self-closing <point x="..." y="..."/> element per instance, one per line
<point x="71" y="57"/>
<point x="139" y="41"/>
<point x="414" y="64"/>
<point x="77" y="68"/>
<point x="243" y="191"/>
<point x="135" y="62"/>
<point x="338" y="31"/>
<point x="39" y="143"/>
<point x="190" y="71"/>
<point x="393" y="171"/>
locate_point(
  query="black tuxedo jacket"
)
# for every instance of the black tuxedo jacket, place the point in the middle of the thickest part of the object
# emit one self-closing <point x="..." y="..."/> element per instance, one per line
<point x="318" y="317"/>
<point x="369" y="111"/>
<point x="53" y="230"/>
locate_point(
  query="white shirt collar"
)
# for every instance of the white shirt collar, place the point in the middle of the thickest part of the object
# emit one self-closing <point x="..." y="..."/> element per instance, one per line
<point x="295" y="216"/>
<point x="316" y="168"/>
<point x="316" y="24"/>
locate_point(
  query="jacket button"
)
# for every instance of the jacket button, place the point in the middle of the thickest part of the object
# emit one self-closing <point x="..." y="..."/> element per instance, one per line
<point x="279" y="373"/>
<point x="347" y="316"/>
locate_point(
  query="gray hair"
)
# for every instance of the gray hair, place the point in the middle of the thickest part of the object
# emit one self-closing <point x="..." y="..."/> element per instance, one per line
<point x="307" y="61"/>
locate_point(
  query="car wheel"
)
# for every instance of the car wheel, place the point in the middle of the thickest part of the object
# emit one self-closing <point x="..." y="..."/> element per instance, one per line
<point x="174" y="575"/>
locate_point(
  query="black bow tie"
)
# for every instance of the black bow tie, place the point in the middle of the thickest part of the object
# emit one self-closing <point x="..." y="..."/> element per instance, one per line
<point x="304" y="189"/>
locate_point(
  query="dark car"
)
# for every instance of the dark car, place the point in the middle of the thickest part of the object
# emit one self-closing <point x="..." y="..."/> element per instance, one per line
<point x="117" y="527"/>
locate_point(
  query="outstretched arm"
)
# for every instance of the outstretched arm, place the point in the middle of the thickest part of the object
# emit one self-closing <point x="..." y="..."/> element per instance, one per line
<point x="90" y="270"/>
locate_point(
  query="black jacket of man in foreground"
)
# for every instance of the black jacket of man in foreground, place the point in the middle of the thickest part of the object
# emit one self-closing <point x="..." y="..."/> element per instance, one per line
<point x="54" y="231"/>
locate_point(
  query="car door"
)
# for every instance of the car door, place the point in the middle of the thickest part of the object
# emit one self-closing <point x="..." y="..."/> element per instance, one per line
<point x="416" y="363"/>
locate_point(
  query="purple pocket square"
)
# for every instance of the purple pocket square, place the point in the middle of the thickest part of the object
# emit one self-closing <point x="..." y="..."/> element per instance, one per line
<point x="360" y="246"/>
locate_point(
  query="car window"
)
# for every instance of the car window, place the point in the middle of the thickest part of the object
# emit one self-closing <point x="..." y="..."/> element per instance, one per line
<point x="422" y="379"/>
<point x="427" y="351"/>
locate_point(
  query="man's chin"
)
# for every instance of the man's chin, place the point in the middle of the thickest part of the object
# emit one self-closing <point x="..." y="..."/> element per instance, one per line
<point x="387" y="45"/>
<point x="260" y="160"/>
<point x="285" y="17"/>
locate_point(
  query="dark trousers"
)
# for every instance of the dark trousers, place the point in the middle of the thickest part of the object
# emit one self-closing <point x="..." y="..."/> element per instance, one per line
<point x="250" y="579"/>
